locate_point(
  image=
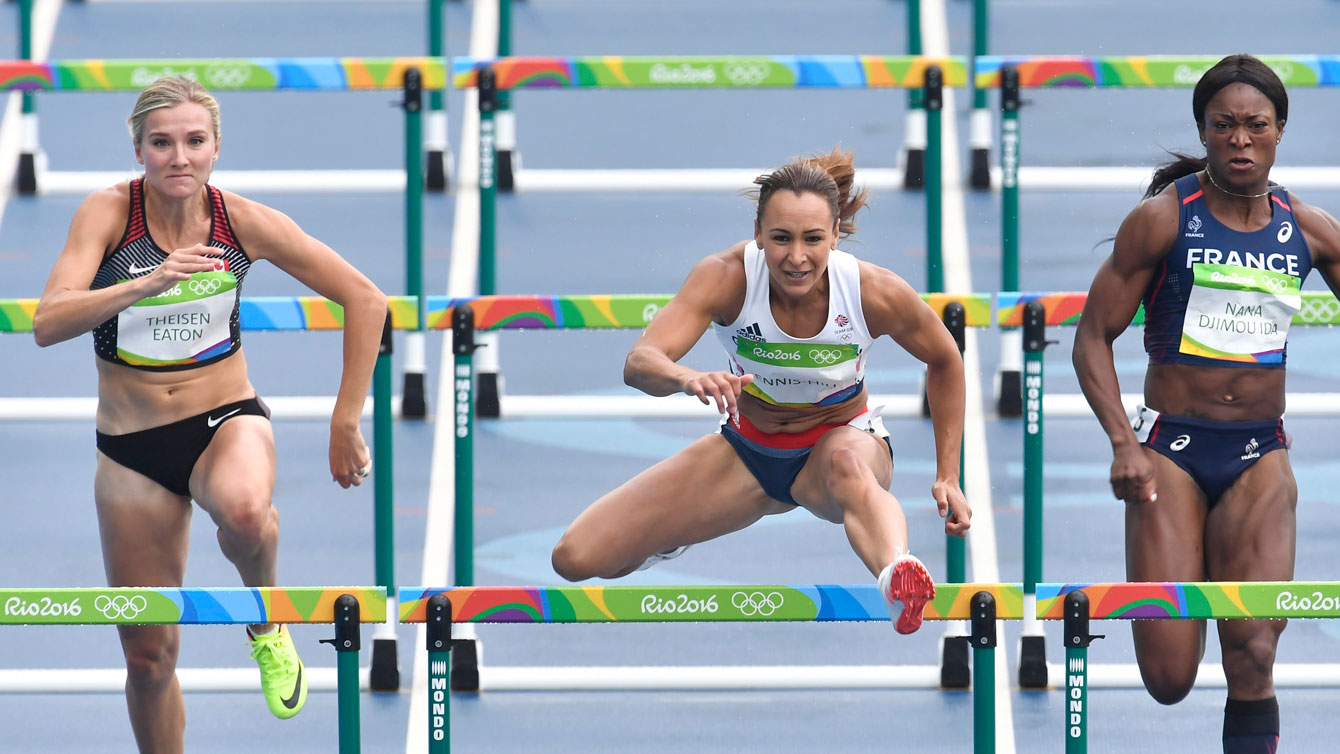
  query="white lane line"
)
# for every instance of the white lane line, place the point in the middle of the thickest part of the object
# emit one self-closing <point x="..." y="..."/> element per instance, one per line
<point x="958" y="279"/>
<point x="439" y="526"/>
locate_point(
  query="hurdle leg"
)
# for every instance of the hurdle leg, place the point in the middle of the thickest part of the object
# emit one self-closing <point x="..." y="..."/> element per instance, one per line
<point x="439" y="660"/>
<point x="984" y="673"/>
<point x="1033" y="642"/>
<point x="1077" y="639"/>
<point x="465" y="660"/>
<point x="347" y="642"/>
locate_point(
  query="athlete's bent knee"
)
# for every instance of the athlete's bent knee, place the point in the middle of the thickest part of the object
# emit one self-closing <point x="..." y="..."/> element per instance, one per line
<point x="150" y="662"/>
<point x="1167" y="685"/>
<point x="250" y="519"/>
<point x="1251" y="660"/>
<point x="572" y="562"/>
<point x="845" y="472"/>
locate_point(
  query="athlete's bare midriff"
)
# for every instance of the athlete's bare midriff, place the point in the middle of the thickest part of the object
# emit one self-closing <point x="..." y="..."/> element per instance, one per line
<point x="130" y="400"/>
<point x="1217" y="393"/>
<point x="792" y="419"/>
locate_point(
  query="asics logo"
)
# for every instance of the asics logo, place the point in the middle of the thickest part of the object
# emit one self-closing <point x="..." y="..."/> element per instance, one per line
<point x="212" y="422"/>
<point x="1181" y="442"/>
<point x="825" y="356"/>
<point x="204" y="287"/>
<point x="120" y="607"/>
<point x="1286" y="231"/>
<point x="757" y="603"/>
<point x="135" y="269"/>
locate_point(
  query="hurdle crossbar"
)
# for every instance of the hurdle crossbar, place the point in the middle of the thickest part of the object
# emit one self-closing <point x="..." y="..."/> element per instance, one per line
<point x="88" y="606"/>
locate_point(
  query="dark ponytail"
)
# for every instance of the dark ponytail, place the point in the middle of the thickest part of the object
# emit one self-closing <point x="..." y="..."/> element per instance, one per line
<point x="831" y="176"/>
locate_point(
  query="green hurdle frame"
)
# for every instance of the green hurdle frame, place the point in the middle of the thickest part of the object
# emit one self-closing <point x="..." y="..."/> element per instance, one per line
<point x="609" y="312"/>
<point x="345" y="607"/>
<point x="983" y="604"/>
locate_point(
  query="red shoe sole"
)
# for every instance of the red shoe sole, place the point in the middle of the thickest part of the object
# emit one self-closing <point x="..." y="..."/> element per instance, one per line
<point x="912" y="586"/>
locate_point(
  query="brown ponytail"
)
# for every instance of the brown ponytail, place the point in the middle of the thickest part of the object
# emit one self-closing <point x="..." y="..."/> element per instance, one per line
<point x="830" y="176"/>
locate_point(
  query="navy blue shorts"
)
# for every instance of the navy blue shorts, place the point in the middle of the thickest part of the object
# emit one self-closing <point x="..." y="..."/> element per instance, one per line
<point x="1214" y="453"/>
<point x="775" y="460"/>
<point x="167" y="454"/>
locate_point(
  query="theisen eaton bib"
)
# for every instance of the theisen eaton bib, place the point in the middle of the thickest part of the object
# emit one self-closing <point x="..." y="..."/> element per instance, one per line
<point x="1223" y="297"/>
<point x="825" y="369"/>
<point x="189" y="325"/>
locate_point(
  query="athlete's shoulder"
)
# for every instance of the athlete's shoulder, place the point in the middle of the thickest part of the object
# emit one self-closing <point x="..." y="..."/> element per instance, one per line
<point x="1318" y="226"/>
<point x="113" y="199"/>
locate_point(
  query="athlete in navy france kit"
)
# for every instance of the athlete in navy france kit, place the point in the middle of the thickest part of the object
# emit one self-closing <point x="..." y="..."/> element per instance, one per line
<point x="1217" y="254"/>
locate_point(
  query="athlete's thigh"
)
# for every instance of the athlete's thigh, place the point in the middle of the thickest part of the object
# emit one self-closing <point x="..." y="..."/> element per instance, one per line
<point x="811" y="489"/>
<point x="238" y="466"/>
<point x="1165" y="538"/>
<point x="702" y="492"/>
<point x="1251" y="534"/>
<point x="145" y="529"/>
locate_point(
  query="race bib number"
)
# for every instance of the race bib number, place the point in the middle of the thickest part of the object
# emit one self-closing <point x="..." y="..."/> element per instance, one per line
<point x="1239" y="314"/>
<point x="186" y="323"/>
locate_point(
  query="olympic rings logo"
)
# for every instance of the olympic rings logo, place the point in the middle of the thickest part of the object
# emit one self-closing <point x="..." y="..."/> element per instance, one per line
<point x="1320" y="310"/>
<point x="205" y="287"/>
<point x="747" y="73"/>
<point x="227" y="77"/>
<point x="120" y="607"/>
<point x="757" y="603"/>
<point x="825" y="356"/>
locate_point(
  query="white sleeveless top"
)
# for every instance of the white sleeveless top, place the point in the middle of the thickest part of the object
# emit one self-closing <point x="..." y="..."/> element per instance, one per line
<point x="825" y="369"/>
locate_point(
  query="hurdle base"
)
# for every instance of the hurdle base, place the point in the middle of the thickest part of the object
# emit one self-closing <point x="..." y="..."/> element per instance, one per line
<point x="413" y="404"/>
<point x="1033" y="662"/>
<point x="1009" y="394"/>
<point x="506" y="164"/>
<point x="914" y="170"/>
<point x="955" y="671"/>
<point x="26" y="181"/>
<point x="979" y="177"/>
<point x="464" y="665"/>
<point x="436" y="178"/>
<point x="488" y="401"/>
<point x="384" y="674"/>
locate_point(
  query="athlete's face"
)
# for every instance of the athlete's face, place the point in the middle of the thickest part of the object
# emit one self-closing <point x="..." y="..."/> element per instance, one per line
<point x="1240" y="134"/>
<point x="178" y="149"/>
<point x="796" y="234"/>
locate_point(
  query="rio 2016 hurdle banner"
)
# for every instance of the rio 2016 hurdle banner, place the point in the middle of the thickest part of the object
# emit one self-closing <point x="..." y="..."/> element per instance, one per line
<point x="1145" y="71"/>
<point x="691" y="604"/>
<point x="744" y="72"/>
<point x="1064" y="308"/>
<point x="251" y="74"/>
<point x="491" y="312"/>
<point x="1193" y="600"/>
<point x="163" y="605"/>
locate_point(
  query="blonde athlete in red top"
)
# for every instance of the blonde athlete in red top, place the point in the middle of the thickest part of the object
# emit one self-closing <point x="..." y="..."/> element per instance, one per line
<point x="796" y="315"/>
<point x="153" y="267"/>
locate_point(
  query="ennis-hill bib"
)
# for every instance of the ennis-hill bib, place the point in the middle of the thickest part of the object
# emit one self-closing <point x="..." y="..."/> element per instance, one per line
<point x="825" y="369"/>
<point x="1223" y="297"/>
<point x="191" y="324"/>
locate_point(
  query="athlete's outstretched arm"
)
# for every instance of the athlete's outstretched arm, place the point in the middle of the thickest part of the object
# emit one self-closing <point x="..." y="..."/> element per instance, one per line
<point x="1322" y="233"/>
<point x="269" y="234"/>
<point x="1143" y="241"/>
<point x="714" y="285"/>
<point x="892" y="308"/>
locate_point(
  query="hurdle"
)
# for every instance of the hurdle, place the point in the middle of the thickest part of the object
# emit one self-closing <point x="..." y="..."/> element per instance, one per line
<point x="1077" y="604"/>
<point x="291" y="314"/>
<point x="1010" y="74"/>
<point x="345" y="607"/>
<point x="1033" y="313"/>
<point x="409" y="75"/>
<point x="982" y="604"/>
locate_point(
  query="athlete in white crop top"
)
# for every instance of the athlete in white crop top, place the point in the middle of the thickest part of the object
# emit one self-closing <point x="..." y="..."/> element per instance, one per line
<point x="177" y="416"/>
<point x="796" y="317"/>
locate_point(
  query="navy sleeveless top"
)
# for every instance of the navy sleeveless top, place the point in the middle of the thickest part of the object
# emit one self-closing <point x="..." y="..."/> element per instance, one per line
<point x="1224" y="297"/>
<point x="190" y="325"/>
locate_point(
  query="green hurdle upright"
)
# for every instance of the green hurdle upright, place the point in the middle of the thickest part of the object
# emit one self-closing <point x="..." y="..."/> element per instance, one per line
<point x="345" y="607"/>
<point x="441" y="608"/>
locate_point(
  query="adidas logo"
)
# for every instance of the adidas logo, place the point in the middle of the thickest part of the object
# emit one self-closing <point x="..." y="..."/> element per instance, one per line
<point x="750" y="333"/>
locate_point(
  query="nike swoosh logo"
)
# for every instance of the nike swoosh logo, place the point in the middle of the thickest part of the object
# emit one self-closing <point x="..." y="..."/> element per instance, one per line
<point x="292" y="701"/>
<point x="212" y="422"/>
<point x="137" y="270"/>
